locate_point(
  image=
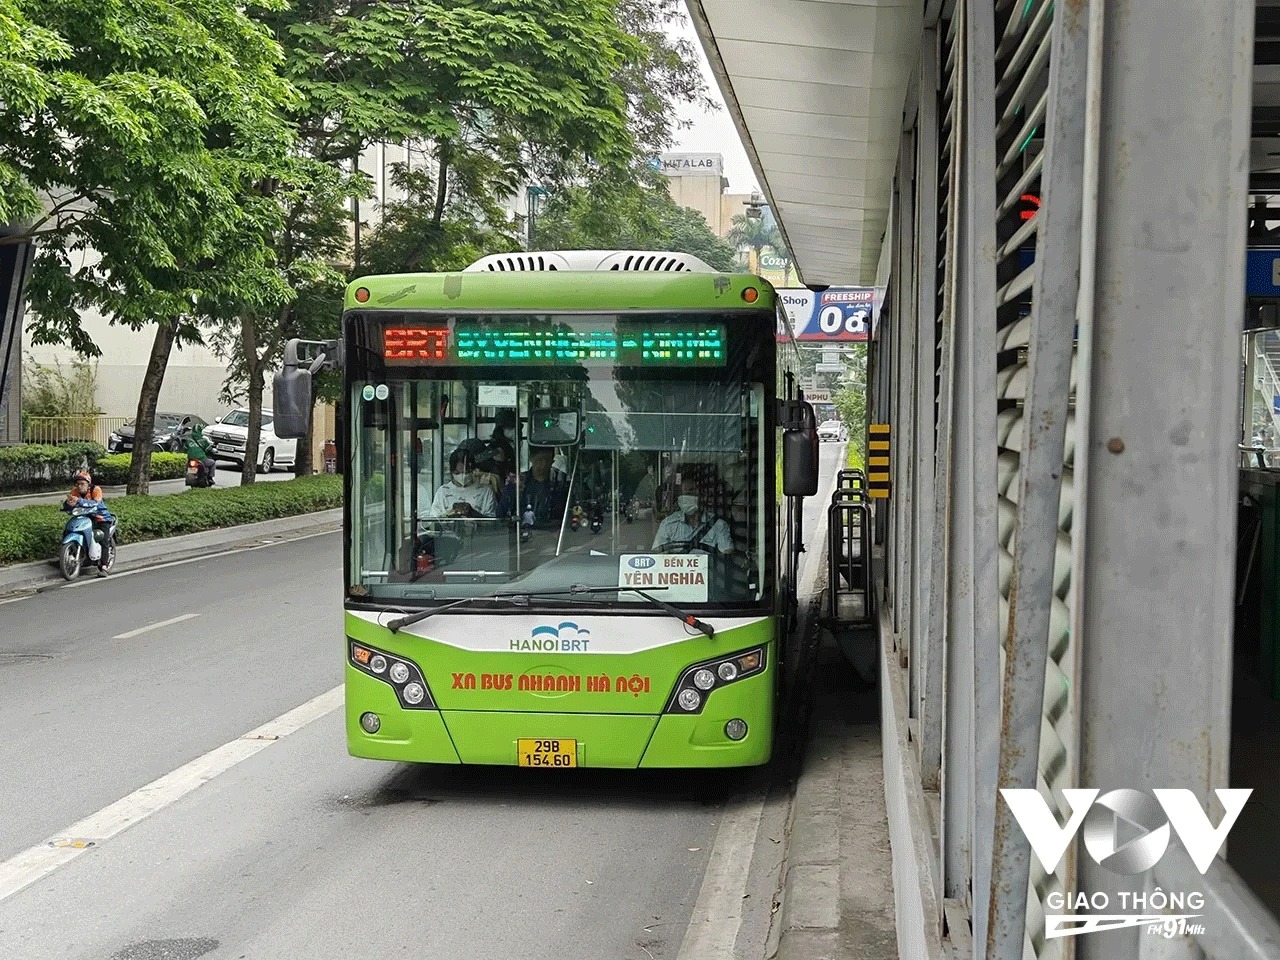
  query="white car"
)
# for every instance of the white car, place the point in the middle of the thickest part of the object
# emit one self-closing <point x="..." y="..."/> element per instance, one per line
<point x="229" y="433"/>
<point x="832" y="430"/>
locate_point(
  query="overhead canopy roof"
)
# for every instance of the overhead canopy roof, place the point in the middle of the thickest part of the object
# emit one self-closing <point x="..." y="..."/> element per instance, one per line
<point x="817" y="89"/>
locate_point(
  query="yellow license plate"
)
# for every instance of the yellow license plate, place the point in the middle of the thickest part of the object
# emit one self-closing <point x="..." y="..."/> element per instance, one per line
<point x="547" y="753"/>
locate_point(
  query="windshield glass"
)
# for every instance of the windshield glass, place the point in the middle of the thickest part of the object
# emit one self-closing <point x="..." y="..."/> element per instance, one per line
<point x="471" y="481"/>
<point x="238" y="418"/>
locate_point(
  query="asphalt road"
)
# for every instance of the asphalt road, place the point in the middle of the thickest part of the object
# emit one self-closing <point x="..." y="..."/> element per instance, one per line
<point x="288" y="848"/>
<point x="228" y="475"/>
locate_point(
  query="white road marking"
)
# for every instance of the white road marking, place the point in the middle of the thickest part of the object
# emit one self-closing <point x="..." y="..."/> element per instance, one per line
<point x="155" y="626"/>
<point x="204" y="556"/>
<point x="24" y="869"/>
<point x="717" y="914"/>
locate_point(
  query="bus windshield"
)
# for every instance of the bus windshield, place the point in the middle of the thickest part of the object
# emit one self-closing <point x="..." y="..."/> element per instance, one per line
<point x="467" y="482"/>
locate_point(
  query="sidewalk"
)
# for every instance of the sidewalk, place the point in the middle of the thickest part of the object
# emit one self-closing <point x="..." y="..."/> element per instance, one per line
<point x="35" y="577"/>
<point x="837" y="893"/>
<point x="225" y="477"/>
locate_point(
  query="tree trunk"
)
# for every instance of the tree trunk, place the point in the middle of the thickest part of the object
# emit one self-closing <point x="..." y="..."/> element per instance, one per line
<point x="443" y="153"/>
<point x="302" y="464"/>
<point x="145" y="420"/>
<point x="253" y="385"/>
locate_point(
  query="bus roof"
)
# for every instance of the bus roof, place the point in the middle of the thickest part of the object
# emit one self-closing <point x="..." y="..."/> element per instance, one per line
<point x="560" y="291"/>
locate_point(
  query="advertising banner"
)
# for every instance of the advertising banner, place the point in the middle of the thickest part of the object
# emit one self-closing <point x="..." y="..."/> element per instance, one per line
<point x="836" y="315"/>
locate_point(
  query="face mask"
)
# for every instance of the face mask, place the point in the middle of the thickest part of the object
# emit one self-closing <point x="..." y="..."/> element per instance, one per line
<point x="688" y="504"/>
<point x="462" y="479"/>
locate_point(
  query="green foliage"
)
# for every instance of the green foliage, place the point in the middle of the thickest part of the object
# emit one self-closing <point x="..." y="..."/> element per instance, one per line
<point x="628" y="212"/>
<point x="854" y="459"/>
<point x="851" y="404"/>
<point x="152" y="124"/>
<point x="50" y="391"/>
<point x="33" y="533"/>
<point x="38" y="466"/>
<point x="412" y="239"/>
<point x="113" y="469"/>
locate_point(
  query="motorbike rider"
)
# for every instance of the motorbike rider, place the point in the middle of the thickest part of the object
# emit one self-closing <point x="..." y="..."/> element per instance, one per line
<point x="199" y="448"/>
<point x="85" y="489"/>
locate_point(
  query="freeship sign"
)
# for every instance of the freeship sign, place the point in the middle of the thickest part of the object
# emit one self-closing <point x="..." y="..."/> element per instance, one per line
<point x="836" y="315"/>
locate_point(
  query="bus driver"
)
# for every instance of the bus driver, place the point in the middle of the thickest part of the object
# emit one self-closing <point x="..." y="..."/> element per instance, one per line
<point x="693" y="524"/>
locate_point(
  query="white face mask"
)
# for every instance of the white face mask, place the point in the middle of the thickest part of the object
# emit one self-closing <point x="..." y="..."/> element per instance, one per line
<point x="687" y="503"/>
<point x="462" y="479"/>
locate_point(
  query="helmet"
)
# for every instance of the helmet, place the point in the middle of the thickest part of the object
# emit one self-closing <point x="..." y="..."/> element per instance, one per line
<point x="82" y="475"/>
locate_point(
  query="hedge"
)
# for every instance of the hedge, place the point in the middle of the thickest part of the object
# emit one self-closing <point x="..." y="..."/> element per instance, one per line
<point x="37" y="466"/>
<point x="113" y="469"/>
<point x="33" y="533"/>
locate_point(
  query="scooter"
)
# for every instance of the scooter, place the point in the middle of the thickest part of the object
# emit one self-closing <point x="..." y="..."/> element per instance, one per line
<point x="89" y="520"/>
<point x="198" y="473"/>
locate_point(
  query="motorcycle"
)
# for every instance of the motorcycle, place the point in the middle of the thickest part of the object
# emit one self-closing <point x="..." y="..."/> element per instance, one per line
<point x="198" y="473"/>
<point x="89" y="519"/>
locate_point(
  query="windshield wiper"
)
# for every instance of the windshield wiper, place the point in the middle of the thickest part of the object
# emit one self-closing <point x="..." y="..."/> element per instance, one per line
<point x="576" y="590"/>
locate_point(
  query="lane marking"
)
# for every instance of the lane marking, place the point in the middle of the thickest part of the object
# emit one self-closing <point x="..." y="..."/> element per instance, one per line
<point x="24" y="869"/>
<point x="717" y="914"/>
<point x="155" y="626"/>
<point x="90" y="581"/>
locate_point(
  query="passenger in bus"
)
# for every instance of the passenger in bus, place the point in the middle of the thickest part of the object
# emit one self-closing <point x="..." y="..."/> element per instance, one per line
<point x="540" y="493"/>
<point x="692" y="525"/>
<point x="462" y="495"/>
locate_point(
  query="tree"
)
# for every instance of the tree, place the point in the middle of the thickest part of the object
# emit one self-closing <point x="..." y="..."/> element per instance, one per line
<point x="851" y="397"/>
<point x="144" y="140"/>
<point x="754" y="233"/>
<point x="633" y="212"/>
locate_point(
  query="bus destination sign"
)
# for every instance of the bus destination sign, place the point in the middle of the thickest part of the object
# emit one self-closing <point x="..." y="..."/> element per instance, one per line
<point x="477" y="343"/>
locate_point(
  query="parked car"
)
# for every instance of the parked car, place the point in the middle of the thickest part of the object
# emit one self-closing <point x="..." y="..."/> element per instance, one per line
<point x="229" y="434"/>
<point x="832" y="430"/>
<point x="171" y="431"/>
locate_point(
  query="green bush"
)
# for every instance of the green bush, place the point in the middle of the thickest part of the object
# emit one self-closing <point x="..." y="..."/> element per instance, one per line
<point x="113" y="469"/>
<point x="33" y="533"/>
<point x="39" y="466"/>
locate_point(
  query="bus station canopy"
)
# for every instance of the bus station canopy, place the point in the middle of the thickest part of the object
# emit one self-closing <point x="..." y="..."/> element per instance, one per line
<point x="817" y="90"/>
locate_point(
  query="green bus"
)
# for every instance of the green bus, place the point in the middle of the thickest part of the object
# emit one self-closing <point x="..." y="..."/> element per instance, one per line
<point x="567" y="541"/>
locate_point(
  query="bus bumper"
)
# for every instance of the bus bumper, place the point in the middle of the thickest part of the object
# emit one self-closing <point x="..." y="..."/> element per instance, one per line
<point x="617" y="740"/>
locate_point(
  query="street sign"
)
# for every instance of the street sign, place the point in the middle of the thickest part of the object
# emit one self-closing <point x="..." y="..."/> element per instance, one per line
<point x="821" y="396"/>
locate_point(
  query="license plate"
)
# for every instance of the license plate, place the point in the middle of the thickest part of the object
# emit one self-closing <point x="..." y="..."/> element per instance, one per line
<point x="547" y="753"/>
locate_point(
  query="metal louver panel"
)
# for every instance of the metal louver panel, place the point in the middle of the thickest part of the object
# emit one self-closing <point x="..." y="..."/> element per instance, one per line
<point x="1024" y="29"/>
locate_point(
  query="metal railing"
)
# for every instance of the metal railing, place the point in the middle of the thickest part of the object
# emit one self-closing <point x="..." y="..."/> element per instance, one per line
<point x="64" y="429"/>
<point x="849" y="546"/>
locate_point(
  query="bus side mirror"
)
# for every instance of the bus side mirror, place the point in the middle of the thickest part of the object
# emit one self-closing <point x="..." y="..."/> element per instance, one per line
<point x="291" y="403"/>
<point x="293" y="398"/>
<point x="800" y="451"/>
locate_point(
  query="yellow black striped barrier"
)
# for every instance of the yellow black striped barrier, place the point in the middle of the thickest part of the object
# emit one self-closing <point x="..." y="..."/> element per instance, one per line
<point x="878" y="452"/>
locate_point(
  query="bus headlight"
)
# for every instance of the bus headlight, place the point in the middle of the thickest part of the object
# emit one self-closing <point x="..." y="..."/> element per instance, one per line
<point x="702" y="679"/>
<point x="401" y="674"/>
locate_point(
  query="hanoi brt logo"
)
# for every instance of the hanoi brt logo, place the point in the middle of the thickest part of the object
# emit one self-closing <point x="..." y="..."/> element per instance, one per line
<point x="1126" y="832"/>
<point x="566" y="637"/>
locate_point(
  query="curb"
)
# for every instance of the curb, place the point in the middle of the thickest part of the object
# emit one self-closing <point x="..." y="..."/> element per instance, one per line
<point x="36" y="577"/>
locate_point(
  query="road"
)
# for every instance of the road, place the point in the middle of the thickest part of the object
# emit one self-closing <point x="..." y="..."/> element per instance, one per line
<point x="228" y="475"/>
<point x="287" y="848"/>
